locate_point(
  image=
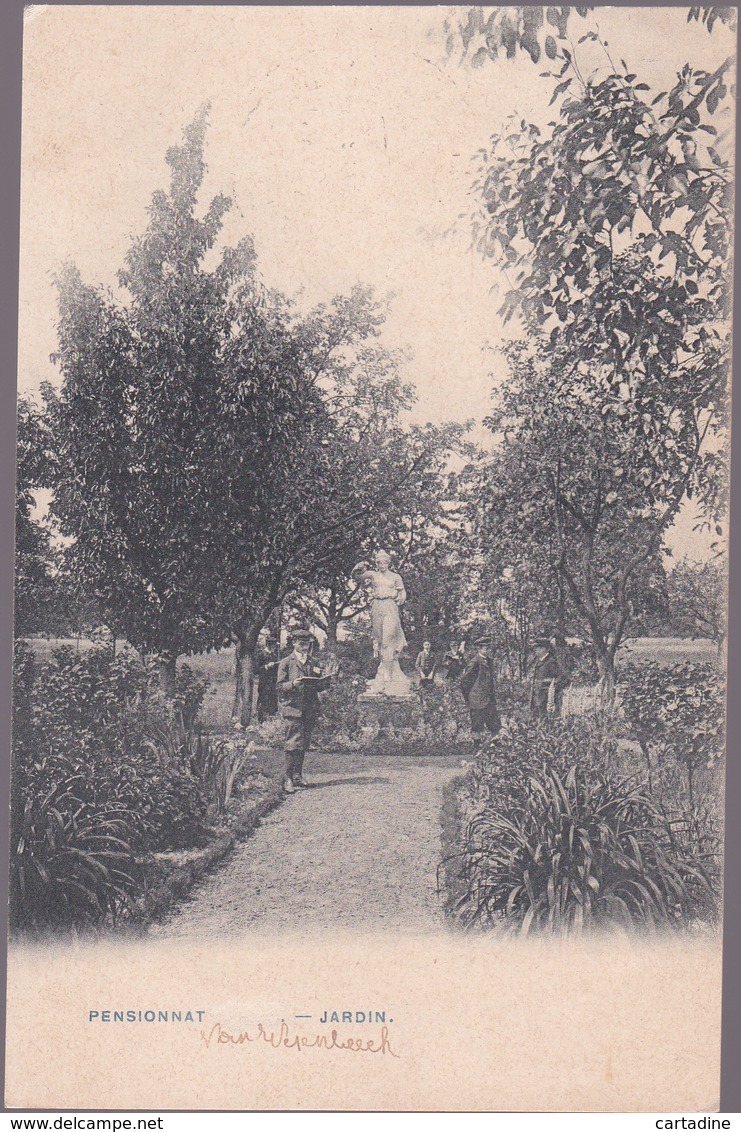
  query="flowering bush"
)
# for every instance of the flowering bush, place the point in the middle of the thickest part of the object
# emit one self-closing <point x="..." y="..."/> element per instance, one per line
<point x="339" y="708"/>
<point x="443" y="712"/>
<point x="440" y="722"/>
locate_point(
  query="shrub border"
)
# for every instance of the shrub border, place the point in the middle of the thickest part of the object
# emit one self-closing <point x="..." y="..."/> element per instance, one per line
<point x="452" y="829"/>
<point x="168" y="879"/>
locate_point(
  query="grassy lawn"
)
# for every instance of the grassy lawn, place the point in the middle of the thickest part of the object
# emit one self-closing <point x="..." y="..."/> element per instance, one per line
<point x="216" y="712"/>
<point x="42" y="647"/>
<point x="668" y="650"/>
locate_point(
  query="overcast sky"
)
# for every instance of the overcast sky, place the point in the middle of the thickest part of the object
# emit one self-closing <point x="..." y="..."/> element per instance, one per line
<point x="343" y="135"/>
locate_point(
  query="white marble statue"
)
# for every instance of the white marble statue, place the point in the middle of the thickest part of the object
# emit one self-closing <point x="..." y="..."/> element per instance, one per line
<point x="387" y="596"/>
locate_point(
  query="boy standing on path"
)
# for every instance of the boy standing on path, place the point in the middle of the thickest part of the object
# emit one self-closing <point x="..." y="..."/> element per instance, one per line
<point x="299" y="681"/>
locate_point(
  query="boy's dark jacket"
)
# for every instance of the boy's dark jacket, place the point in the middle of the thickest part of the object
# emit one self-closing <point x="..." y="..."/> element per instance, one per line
<point x="477" y="683"/>
<point x="296" y="697"/>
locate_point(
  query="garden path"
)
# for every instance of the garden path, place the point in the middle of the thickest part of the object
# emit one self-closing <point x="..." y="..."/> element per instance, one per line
<point x="358" y="850"/>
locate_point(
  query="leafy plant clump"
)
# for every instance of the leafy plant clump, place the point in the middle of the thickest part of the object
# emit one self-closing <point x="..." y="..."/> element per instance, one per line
<point x="677" y="717"/>
<point x="104" y="771"/>
<point x="578" y="851"/>
<point x="339" y="709"/>
<point x="190" y="691"/>
<point x="527" y="747"/>
<point x="72" y="864"/>
<point x="439" y="724"/>
<point x="680" y="710"/>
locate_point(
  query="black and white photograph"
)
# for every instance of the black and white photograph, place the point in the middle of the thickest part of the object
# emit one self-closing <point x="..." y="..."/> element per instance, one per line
<point x="371" y="557"/>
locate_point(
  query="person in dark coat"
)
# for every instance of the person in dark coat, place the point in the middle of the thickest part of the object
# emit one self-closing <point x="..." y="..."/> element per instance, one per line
<point x="267" y="674"/>
<point x="479" y="691"/>
<point x="299" y="682"/>
<point x="546" y="678"/>
<point x="453" y="661"/>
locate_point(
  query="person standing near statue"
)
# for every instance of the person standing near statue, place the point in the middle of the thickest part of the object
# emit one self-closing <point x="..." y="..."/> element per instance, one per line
<point x="299" y="682"/>
<point x="425" y="666"/>
<point x="478" y="686"/>
<point x="454" y="660"/>
<point x="268" y="660"/>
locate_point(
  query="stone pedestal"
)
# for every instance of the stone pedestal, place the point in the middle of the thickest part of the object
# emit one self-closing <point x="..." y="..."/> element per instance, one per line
<point x="385" y="716"/>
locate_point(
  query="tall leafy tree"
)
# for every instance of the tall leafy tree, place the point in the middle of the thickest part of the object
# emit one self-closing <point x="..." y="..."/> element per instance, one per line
<point x="697" y="599"/>
<point x="34" y="554"/>
<point x="218" y="451"/>
<point x="184" y="408"/>
<point x="612" y="228"/>
<point x="391" y="472"/>
<point x="365" y="468"/>
<point x="576" y="490"/>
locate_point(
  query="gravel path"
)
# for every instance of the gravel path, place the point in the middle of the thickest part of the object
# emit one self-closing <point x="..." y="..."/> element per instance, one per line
<point x="358" y="850"/>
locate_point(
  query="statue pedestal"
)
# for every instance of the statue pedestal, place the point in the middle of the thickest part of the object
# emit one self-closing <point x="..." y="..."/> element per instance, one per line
<point x="390" y="682"/>
<point x="382" y="715"/>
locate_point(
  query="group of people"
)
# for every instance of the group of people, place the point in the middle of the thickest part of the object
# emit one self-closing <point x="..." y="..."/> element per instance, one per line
<point x="428" y="666"/>
<point x="299" y="679"/>
<point x="478" y="685"/>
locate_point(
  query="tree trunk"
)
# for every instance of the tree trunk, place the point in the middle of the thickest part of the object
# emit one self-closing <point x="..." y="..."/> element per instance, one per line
<point x="606" y="668"/>
<point x="332" y="615"/>
<point x="331" y="631"/>
<point x="238" y="684"/>
<point x="244" y="679"/>
<point x="691" y="786"/>
<point x="167" y="673"/>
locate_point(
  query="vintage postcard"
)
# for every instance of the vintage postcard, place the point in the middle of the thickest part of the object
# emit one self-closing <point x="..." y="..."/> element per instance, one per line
<point x="371" y="558"/>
